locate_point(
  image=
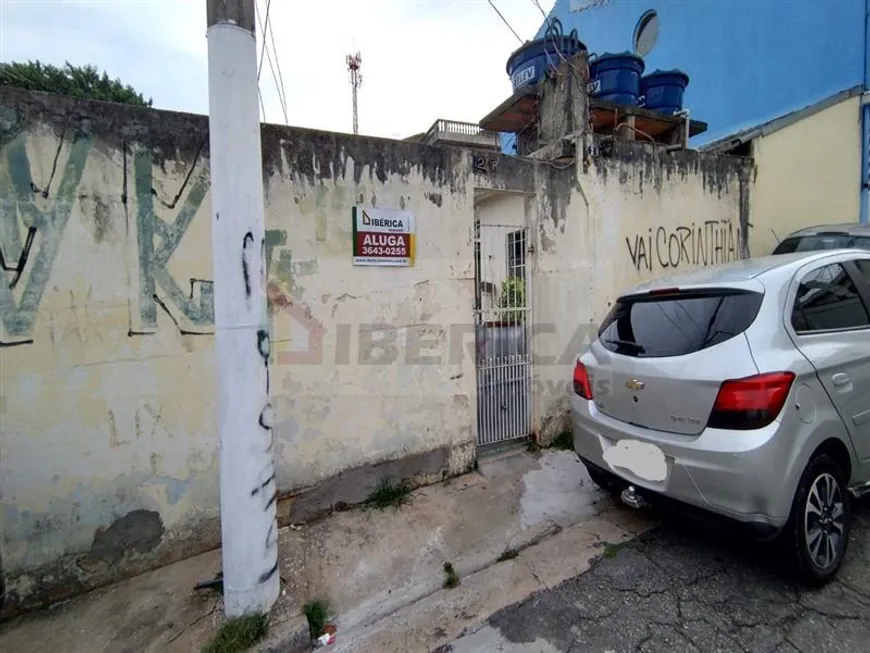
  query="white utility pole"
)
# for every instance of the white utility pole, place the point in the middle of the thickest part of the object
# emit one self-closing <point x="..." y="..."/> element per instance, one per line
<point x="249" y="527"/>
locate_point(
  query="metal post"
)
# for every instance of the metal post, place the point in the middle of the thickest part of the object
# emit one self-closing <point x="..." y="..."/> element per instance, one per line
<point x="249" y="527"/>
<point x="354" y="63"/>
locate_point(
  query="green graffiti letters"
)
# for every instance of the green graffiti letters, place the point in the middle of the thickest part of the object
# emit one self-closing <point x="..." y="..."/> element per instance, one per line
<point x="20" y="201"/>
<point x="197" y="306"/>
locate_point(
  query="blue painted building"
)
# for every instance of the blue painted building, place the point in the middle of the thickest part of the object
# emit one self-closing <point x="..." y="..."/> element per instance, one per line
<point x="749" y="61"/>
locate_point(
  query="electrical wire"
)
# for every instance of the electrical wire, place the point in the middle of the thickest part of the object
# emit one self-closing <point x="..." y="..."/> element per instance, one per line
<point x="492" y="4"/>
<point x="262" y="106"/>
<point x="265" y="50"/>
<point x="278" y="66"/>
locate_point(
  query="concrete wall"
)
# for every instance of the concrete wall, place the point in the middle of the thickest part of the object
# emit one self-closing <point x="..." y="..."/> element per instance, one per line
<point x="806" y="174"/>
<point x="631" y="214"/>
<point x="108" y="442"/>
<point x="108" y="445"/>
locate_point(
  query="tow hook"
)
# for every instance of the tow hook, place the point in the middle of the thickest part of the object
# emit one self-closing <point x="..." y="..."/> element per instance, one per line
<point x="631" y="498"/>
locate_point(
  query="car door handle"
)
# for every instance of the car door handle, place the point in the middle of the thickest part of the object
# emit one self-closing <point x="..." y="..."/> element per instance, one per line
<point x="840" y="379"/>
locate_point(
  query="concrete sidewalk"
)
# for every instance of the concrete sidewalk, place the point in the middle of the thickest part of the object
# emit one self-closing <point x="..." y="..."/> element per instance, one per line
<point x="381" y="572"/>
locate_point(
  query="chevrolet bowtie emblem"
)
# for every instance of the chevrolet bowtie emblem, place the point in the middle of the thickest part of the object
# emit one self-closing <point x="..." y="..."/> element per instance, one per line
<point x="634" y="384"/>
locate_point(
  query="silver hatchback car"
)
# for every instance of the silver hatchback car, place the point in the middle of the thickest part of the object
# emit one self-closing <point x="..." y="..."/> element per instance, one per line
<point x="741" y="391"/>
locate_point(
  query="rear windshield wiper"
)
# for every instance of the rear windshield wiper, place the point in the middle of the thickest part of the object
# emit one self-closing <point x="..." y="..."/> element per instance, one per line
<point x="627" y="343"/>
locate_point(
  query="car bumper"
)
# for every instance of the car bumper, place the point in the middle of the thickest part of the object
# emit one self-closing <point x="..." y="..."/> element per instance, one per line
<point x="737" y="475"/>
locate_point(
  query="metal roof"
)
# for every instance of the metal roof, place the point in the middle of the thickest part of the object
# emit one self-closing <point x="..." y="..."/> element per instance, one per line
<point x="724" y="145"/>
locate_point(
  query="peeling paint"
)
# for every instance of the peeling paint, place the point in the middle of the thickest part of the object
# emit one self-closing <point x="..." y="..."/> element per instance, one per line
<point x="121" y="347"/>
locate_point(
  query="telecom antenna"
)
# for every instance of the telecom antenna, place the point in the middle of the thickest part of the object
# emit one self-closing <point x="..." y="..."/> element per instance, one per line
<point x="354" y="63"/>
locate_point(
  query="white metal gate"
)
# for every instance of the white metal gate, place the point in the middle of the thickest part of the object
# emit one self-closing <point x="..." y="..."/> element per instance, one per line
<point x="504" y="380"/>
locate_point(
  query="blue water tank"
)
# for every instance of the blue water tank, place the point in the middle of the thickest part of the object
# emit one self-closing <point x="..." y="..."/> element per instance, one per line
<point x="663" y="90"/>
<point x="527" y="65"/>
<point x="616" y="77"/>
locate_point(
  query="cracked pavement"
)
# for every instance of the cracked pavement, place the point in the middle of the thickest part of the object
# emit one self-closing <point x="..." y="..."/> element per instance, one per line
<point x="686" y="588"/>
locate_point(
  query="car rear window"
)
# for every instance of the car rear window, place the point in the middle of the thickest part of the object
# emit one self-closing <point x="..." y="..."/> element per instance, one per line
<point x="822" y="241"/>
<point x="678" y="323"/>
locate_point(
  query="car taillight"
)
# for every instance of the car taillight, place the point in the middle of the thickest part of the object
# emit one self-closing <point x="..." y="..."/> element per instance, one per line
<point x="750" y="403"/>
<point x="582" y="387"/>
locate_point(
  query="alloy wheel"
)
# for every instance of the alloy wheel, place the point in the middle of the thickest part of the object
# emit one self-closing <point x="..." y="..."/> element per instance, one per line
<point x="823" y="520"/>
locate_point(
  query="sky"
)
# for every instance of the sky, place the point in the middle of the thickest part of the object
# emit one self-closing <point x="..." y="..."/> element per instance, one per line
<point x="421" y="59"/>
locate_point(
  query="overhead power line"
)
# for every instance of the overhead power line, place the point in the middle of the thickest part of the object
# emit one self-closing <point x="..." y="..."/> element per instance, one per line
<point x="492" y="4"/>
<point x="265" y="30"/>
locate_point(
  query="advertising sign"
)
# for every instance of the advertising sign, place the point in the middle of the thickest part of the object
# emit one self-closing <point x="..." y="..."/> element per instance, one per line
<point x="383" y="237"/>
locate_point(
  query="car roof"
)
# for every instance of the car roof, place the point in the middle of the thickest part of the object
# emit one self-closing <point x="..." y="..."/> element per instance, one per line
<point x="743" y="273"/>
<point x="850" y="228"/>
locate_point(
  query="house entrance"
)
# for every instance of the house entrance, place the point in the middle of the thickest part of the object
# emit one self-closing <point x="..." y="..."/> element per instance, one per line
<point x="504" y="374"/>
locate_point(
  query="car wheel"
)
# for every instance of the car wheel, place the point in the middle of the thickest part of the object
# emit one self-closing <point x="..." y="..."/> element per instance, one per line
<point x="606" y="481"/>
<point x="820" y="521"/>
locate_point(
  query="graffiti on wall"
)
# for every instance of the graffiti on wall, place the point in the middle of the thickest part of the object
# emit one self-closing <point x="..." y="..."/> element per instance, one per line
<point x="698" y="244"/>
<point x="193" y="310"/>
<point x="33" y="218"/>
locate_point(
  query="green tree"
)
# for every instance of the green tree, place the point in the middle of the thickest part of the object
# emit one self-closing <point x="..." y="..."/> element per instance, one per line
<point x="76" y="81"/>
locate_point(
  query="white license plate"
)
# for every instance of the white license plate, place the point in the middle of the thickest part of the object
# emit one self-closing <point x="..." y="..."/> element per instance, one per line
<point x="642" y="459"/>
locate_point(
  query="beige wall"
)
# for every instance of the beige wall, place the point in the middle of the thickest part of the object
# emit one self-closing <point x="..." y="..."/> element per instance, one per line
<point x="808" y="173"/>
<point x="631" y="217"/>
<point x="108" y="442"/>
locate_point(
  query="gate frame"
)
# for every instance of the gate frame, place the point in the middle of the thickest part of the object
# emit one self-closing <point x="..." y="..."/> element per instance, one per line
<point x="530" y="268"/>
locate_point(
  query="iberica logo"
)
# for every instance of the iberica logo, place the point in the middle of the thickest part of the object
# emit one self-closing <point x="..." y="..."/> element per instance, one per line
<point x="381" y="222"/>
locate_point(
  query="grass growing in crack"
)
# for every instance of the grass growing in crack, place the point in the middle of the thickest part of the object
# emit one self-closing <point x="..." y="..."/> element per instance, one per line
<point x="388" y="494"/>
<point x="317" y="613"/>
<point x="237" y="635"/>
<point x="565" y="440"/>
<point x="451" y="578"/>
<point x="612" y="550"/>
<point x="507" y="554"/>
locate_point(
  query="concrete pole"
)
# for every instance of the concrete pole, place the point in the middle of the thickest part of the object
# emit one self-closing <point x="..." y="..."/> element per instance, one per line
<point x="249" y="527"/>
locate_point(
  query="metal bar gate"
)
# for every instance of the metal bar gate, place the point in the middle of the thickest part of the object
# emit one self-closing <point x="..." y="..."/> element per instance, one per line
<point x="504" y="379"/>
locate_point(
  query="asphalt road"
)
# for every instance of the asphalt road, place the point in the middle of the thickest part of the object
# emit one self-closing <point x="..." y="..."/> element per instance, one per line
<point x="683" y="589"/>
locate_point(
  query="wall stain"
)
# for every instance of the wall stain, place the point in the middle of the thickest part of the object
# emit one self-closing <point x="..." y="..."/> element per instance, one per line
<point x="138" y="531"/>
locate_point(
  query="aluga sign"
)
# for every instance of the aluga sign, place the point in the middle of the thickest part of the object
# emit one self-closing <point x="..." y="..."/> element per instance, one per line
<point x="383" y="237"/>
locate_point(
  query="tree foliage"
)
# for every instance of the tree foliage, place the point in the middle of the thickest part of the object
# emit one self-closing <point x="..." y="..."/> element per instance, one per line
<point x="76" y="81"/>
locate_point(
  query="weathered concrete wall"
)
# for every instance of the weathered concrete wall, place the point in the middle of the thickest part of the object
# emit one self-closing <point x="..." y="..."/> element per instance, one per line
<point x="629" y="213"/>
<point x="808" y="174"/>
<point x="108" y="442"/>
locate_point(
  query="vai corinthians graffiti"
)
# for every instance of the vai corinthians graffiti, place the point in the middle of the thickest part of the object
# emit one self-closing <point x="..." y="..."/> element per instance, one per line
<point x="704" y="243"/>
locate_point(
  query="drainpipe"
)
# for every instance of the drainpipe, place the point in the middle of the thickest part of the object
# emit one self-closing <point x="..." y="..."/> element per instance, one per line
<point x="865" y="122"/>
